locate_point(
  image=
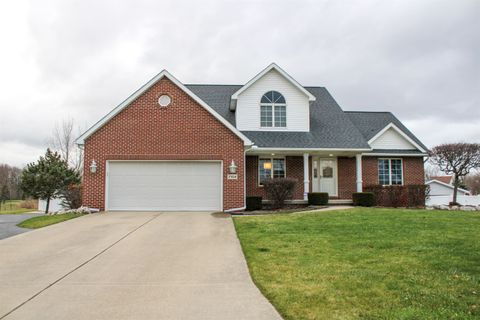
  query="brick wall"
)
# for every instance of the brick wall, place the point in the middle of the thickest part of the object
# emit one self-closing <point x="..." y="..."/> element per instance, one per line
<point x="144" y="131"/>
<point x="413" y="170"/>
<point x="347" y="177"/>
<point x="293" y="168"/>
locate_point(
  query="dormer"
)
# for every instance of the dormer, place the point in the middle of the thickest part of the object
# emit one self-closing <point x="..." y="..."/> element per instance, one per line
<point x="272" y="101"/>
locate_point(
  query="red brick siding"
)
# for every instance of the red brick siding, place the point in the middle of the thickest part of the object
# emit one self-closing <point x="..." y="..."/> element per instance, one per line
<point x="293" y="168"/>
<point x="347" y="176"/>
<point x="413" y="170"/>
<point x="182" y="131"/>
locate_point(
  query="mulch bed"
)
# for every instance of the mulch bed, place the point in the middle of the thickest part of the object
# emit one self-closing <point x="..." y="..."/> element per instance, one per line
<point x="284" y="210"/>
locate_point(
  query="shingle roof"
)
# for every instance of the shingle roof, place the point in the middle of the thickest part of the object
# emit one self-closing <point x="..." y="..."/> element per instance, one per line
<point x="398" y="151"/>
<point x="444" y="179"/>
<point x="330" y="126"/>
<point x="370" y="123"/>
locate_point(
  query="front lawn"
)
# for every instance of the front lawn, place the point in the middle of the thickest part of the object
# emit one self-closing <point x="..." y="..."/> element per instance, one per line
<point x="366" y="263"/>
<point x="43" y="221"/>
<point x="14" y="207"/>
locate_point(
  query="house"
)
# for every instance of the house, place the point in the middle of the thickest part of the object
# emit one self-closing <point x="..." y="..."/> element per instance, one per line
<point x="444" y="179"/>
<point x="440" y="187"/>
<point x="175" y="146"/>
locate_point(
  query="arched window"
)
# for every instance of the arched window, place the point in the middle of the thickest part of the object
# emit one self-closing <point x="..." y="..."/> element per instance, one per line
<point x="273" y="110"/>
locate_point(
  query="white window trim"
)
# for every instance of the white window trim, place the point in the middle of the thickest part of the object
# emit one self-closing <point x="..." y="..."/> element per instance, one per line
<point x="390" y="171"/>
<point x="274" y="105"/>
<point x="271" y="160"/>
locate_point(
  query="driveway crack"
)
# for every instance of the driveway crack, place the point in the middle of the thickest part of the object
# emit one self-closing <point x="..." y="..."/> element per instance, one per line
<point x="79" y="266"/>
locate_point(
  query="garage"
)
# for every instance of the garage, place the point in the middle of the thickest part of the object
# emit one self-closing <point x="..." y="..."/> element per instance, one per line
<point x="164" y="185"/>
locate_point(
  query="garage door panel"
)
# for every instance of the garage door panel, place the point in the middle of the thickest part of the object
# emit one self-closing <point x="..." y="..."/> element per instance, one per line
<point x="185" y="185"/>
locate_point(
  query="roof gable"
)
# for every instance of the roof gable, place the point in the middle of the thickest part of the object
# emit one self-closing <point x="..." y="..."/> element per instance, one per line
<point x="392" y="137"/>
<point x="370" y="123"/>
<point x="144" y="88"/>
<point x="441" y="183"/>
<point x="274" y="66"/>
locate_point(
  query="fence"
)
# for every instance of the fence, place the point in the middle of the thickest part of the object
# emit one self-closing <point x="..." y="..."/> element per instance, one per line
<point x="463" y="200"/>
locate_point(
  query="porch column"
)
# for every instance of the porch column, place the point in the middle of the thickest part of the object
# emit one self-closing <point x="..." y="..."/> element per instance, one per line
<point x="359" y="172"/>
<point x="306" y="181"/>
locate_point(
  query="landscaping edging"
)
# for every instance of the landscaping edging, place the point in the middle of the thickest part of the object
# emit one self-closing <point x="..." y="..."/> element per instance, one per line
<point x="452" y="208"/>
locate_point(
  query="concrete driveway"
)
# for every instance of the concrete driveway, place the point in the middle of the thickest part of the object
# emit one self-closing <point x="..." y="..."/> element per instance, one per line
<point x="8" y="223"/>
<point x="129" y="266"/>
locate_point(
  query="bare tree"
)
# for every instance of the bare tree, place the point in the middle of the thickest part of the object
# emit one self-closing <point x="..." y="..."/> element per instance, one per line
<point x="472" y="181"/>
<point x="431" y="171"/>
<point x="63" y="141"/>
<point x="457" y="159"/>
<point x="10" y="178"/>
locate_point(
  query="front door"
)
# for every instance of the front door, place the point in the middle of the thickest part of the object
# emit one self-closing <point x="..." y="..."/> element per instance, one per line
<point x="324" y="175"/>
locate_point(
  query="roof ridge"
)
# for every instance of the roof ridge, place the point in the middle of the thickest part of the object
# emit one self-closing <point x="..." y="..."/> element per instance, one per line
<point x="235" y="85"/>
<point x="360" y="111"/>
<point x="210" y="84"/>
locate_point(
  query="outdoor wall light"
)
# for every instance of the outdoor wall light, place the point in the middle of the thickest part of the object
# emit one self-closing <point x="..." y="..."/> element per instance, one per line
<point x="233" y="167"/>
<point x="93" y="167"/>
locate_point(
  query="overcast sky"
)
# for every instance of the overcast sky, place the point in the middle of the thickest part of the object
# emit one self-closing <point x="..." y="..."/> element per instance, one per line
<point x="79" y="59"/>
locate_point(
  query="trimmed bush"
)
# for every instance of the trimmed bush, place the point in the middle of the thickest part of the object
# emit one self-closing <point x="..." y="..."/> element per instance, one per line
<point x="254" y="203"/>
<point x="363" y="199"/>
<point x="399" y="196"/>
<point x="318" y="198"/>
<point x="278" y="190"/>
<point x="417" y="195"/>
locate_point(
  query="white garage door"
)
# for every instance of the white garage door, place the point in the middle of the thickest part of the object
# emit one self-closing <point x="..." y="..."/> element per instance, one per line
<point x="164" y="185"/>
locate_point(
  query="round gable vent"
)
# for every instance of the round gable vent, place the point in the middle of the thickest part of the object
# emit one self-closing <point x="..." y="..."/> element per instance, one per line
<point x="164" y="100"/>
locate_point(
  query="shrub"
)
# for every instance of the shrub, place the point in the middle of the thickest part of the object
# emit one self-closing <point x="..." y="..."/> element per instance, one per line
<point x="253" y="203"/>
<point x="417" y="195"/>
<point x="279" y="189"/>
<point x="318" y="198"/>
<point x="72" y="196"/>
<point x="363" y="199"/>
<point x="399" y="196"/>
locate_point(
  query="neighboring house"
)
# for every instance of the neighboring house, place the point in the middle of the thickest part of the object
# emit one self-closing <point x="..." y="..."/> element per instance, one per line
<point x="174" y="146"/>
<point x="54" y="205"/>
<point x="441" y="193"/>
<point x="444" y="179"/>
<point x="439" y="187"/>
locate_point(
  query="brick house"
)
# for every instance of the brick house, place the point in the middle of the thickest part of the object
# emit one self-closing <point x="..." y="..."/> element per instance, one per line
<point x="172" y="146"/>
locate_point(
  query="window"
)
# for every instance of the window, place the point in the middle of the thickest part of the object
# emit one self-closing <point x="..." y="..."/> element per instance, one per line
<point x="273" y="110"/>
<point x="390" y="171"/>
<point x="270" y="169"/>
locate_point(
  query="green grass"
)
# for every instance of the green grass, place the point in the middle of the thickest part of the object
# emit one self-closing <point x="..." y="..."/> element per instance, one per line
<point x="13" y="207"/>
<point x="43" y="221"/>
<point x="366" y="263"/>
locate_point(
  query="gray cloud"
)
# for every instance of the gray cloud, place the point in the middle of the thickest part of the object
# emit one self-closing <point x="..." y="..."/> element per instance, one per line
<point x="418" y="59"/>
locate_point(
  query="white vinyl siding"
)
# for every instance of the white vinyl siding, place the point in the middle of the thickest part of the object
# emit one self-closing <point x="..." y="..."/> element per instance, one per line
<point x="390" y="140"/>
<point x="164" y="185"/>
<point x="437" y="189"/>
<point x="248" y="105"/>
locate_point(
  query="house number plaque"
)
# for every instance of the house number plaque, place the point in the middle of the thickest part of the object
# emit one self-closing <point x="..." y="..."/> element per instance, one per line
<point x="232" y="177"/>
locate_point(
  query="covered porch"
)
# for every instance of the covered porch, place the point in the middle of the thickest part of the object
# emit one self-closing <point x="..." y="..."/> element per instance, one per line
<point x="337" y="172"/>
